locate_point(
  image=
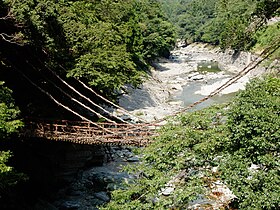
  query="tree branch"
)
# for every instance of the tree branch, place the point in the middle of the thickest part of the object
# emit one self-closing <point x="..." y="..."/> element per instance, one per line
<point x="8" y="16"/>
<point x="11" y="39"/>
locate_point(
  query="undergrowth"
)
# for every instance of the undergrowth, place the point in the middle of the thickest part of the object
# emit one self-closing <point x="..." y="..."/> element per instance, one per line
<point x="241" y="139"/>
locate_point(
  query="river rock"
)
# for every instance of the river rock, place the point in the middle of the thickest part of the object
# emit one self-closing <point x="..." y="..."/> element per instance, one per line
<point x="167" y="191"/>
<point x="197" y="77"/>
<point x="103" y="196"/>
<point x="176" y="87"/>
<point x="175" y="103"/>
<point x="70" y="205"/>
<point x="133" y="159"/>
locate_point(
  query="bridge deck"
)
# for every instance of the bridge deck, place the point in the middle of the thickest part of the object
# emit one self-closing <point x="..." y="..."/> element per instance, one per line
<point x="83" y="132"/>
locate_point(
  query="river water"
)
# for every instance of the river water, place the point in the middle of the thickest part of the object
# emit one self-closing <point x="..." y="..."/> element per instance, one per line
<point x="188" y="96"/>
<point x="208" y="74"/>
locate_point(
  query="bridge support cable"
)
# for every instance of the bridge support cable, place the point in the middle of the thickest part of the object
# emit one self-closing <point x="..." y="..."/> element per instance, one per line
<point x="90" y="101"/>
<point x="111" y="103"/>
<point x="106" y="100"/>
<point x="86" y="98"/>
<point x="124" y="111"/>
<point x="75" y="100"/>
<point x="116" y="133"/>
<point x="263" y="56"/>
<point x="62" y="105"/>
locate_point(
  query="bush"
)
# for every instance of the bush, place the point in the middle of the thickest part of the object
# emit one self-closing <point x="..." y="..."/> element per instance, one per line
<point x="8" y="125"/>
<point x="254" y="126"/>
<point x="242" y="140"/>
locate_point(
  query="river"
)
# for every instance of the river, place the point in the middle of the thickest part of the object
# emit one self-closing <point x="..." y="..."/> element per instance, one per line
<point x="190" y="74"/>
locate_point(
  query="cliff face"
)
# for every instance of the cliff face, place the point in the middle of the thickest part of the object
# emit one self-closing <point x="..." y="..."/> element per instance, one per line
<point x="52" y="164"/>
<point x="49" y="166"/>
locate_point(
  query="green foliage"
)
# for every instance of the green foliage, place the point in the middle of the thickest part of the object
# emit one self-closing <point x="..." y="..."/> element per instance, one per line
<point x="267" y="37"/>
<point x="254" y="118"/>
<point x="171" y="8"/>
<point x="237" y="30"/>
<point x="100" y="43"/>
<point x="8" y="176"/>
<point x="8" y="113"/>
<point x="184" y="144"/>
<point x="239" y="21"/>
<point x="8" y="125"/>
<point x="254" y="125"/>
<point x="229" y="23"/>
<point x="241" y="139"/>
<point x="192" y="17"/>
<point x="106" y="43"/>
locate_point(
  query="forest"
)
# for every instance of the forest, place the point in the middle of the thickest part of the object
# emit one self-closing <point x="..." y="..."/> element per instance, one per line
<point x="109" y="44"/>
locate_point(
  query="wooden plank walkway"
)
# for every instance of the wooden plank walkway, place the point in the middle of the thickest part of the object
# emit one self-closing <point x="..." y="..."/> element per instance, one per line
<point x="83" y="132"/>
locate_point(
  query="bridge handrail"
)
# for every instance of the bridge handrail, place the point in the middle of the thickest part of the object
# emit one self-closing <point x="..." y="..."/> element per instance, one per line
<point x="85" y="127"/>
<point x="86" y="133"/>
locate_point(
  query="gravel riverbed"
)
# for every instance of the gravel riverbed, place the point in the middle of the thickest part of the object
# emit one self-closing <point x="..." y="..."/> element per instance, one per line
<point x="154" y="99"/>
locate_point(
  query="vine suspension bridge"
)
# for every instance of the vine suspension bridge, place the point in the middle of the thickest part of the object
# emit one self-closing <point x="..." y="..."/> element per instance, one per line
<point x="83" y="132"/>
<point x="109" y="132"/>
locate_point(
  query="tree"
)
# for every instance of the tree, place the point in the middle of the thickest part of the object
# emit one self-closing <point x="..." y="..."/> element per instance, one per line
<point x="252" y="167"/>
<point x="190" y="17"/>
<point x="242" y="19"/>
<point x="231" y="24"/>
<point x="9" y="124"/>
<point x="108" y="44"/>
<point x="240" y="140"/>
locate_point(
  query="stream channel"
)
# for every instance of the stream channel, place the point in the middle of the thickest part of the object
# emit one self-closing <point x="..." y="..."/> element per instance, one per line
<point x="204" y="76"/>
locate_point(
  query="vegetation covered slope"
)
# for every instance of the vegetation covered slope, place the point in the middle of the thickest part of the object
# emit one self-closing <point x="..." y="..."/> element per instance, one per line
<point x="108" y="44"/>
<point x="240" y="140"/>
<point x="229" y="23"/>
<point x="9" y="124"/>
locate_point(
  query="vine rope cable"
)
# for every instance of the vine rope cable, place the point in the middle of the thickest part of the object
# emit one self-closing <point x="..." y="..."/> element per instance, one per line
<point x="60" y="104"/>
<point x="94" y="104"/>
<point x="124" y="111"/>
<point x="263" y="56"/>
<point x="75" y="100"/>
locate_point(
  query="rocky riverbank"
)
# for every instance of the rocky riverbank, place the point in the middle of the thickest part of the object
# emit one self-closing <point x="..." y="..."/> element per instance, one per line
<point x="92" y="186"/>
<point x="153" y="99"/>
